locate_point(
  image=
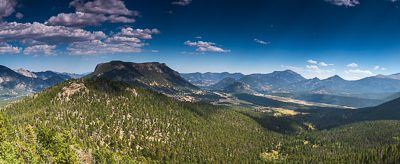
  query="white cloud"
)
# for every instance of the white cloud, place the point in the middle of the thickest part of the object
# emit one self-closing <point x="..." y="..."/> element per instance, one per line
<point x="203" y="46"/>
<point x="355" y="74"/>
<point x="316" y="71"/>
<point x="94" y="13"/>
<point x="346" y="3"/>
<point x="109" y="7"/>
<point x="312" y="61"/>
<point x="42" y="39"/>
<point x="323" y="64"/>
<point x="352" y="65"/>
<point x="379" y="68"/>
<point x="76" y="19"/>
<point x="85" y="19"/>
<point x="14" y="31"/>
<point x="96" y="47"/>
<point x="138" y="33"/>
<point x="319" y="63"/>
<point x="9" y="49"/>
<point x="182" y="2"/>
<point x="7" y="7"/>
<point x="359" y="71"/>
<point x="40" y="49"/>
<point x="128" y="40"/>
<point x="262" y="42"/>
<point x="312" y="67"/>
<point x="312" y="71"/>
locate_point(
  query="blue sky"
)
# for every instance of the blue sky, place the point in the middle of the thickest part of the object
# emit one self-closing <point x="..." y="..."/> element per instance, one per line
<point x="317" y="38"/>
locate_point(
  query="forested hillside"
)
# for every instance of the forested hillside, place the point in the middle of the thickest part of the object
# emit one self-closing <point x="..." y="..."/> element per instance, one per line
<point x="97" y="121"/>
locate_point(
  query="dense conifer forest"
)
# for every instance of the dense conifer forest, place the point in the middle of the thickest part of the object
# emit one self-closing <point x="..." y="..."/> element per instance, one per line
<point x="98" y="121"/>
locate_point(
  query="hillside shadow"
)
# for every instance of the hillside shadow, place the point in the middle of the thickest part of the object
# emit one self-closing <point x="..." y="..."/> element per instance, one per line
<point x="320" y="118"/>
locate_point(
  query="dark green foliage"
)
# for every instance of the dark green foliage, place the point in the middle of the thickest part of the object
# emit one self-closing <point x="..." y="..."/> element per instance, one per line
<point x="118" y="126"/>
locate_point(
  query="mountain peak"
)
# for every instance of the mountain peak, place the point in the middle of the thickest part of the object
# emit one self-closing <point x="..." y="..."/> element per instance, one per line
<point x="239" y="87"/>
<point x="336" y="77"/>
<point x="316" y="79"/>
<point x="26" y="73"/>
<point x="288" y="71"/>
<point x="5" y="71"/>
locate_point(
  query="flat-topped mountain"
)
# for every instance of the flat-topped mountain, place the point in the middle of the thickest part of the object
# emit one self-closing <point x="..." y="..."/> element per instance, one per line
<point x="153" y="75"/>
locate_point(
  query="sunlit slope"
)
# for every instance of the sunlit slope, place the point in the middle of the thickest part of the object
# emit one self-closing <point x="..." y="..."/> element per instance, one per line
<point x="117" y="121"/>
<point x="97" y="121"/>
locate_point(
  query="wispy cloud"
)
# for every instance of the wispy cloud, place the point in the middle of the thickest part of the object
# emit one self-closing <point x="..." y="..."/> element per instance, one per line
<point x="262" y="42"/>
<point x="313" y="69"/>
<point x="323" y="64"/>
<point x="352" y="65"/>
<point x="355" y="74"/>
<point x="319" y="63"/>
<point x="128" y="40"/>
<point x="203" y="46"/>
<point x="319" y="71"/>
<point x="182" y="2"/>
<point x="379" y="68"/>
<point x="312" y="61"/>
<point x="346" y="3"/>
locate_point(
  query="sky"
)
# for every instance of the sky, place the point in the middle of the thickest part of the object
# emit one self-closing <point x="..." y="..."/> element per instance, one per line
<point x="316" y="38"/>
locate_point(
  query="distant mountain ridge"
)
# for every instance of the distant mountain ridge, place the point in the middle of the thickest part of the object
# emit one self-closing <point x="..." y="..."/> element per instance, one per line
<point x="393" y="76"/>
<point x="239" y="87"/>
<point x="22" y="82"/>
<point x="208" y="79"/>
<point x="290" y="81"/>
<point x="373" y="90"/>
<point x="222" y="84"/>
<point x="273" y="81"/>
<point x="337" y="85"/>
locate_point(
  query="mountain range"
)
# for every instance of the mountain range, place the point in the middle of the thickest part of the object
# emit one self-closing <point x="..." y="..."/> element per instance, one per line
<point x="21" y="82"/>
<point x="368" y="91"/>
<point x="208" y="79"/>
<point x="115" y="115"/>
